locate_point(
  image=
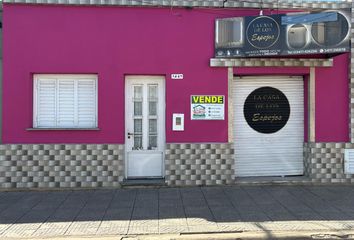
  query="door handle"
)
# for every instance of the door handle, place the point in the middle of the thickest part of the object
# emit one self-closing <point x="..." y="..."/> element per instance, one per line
<point x="130" y="134"/>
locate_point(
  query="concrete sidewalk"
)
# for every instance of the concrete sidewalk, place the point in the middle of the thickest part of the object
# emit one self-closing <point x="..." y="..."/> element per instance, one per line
<point x="234" y="209"/>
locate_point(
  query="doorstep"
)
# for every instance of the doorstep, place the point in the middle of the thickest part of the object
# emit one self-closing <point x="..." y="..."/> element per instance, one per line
<point x="144" y="182"/>
<point x="288" y="180"/>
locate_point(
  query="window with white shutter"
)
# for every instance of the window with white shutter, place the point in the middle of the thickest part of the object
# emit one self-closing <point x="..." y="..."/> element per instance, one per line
<point x="65" y="101"/>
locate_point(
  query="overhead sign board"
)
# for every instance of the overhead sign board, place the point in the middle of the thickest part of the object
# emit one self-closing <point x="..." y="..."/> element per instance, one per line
<point x="277" y="35"/>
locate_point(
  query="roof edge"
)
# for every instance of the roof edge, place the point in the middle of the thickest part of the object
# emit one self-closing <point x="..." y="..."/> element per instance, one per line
<point x="267" y="4"/>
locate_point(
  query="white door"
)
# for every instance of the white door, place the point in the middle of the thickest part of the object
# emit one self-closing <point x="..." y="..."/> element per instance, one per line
<point x="144" y="126"/>
<point x="268" y="125"/>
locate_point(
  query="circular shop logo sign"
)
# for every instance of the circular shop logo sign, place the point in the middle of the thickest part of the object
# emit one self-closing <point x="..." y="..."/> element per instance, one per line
<point x="266" y="110"/>
<point x="262" y="32"/>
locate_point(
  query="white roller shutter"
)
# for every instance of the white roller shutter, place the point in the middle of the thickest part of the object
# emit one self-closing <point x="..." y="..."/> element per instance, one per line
<point x="269" y="154"/>
<point x="65" y="101"/>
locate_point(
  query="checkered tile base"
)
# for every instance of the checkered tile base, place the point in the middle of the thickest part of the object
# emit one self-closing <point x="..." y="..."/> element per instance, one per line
<point x="61" y="165"/>
<point x="102" y="165"/>
<point x="324" y="162"/>
<point x="199" y="164"/>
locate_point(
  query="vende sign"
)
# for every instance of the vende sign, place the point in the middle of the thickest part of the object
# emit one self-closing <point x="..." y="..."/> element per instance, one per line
<point x="207" y="107"/>
<point x="296" y="34"/>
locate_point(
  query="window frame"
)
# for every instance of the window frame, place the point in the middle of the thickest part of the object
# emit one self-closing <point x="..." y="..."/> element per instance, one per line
<point x="75" y="77"/>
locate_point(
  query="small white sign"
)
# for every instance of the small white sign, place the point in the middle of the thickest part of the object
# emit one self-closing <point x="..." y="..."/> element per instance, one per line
<point x="178" y="122"/>
<point x="176" y="76"/>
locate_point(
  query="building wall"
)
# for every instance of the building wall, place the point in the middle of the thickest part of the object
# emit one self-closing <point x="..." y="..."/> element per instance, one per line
<point x="1" y="76"/>
<point x="114" y="42"/>
<point x="332" y="95"/>
<point x="199" y="164"/>
<point x="324" y="162"/>
<point x="111" y="42"/>
<point x="61" y="165"/>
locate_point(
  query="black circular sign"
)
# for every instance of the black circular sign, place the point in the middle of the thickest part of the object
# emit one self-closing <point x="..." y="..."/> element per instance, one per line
<point x="262" y="32"/>
<point x="266" y="110"/>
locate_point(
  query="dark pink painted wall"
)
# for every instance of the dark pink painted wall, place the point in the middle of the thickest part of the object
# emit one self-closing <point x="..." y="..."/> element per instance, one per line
<point x="114" y="42"/>
<point x="306" y="113"/>
<point x="332" y="97"/>
<point x="332" y="101"/>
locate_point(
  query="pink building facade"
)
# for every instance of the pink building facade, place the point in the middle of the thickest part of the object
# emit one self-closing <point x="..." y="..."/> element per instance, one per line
<point x="97" y="96"/>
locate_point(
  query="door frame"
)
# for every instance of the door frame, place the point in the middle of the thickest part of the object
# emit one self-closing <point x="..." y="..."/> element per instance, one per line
<point x="162" y="128"/>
